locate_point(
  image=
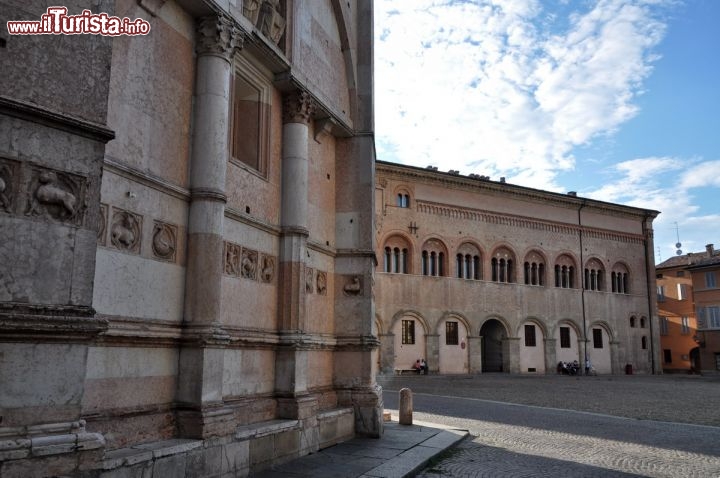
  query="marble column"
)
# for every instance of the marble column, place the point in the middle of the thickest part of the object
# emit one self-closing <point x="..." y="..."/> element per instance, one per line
<point x="291" y="359"/>
<point x="201" y="360"/>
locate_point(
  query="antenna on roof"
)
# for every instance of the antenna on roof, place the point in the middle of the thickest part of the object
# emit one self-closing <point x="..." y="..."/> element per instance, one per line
<point x="659" y="255"/>
<point x="678" y="245"/>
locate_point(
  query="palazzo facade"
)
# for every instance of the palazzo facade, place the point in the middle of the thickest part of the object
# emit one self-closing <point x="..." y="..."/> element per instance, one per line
<point x="186" y="245"/>
<point x="476" y="276"/>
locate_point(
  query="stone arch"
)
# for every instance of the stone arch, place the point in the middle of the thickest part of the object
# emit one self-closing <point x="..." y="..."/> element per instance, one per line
<point x="503" y="264"/>
<point x="402" y="196"/>
<point x="600" y="337"/>
<point x="565" y="271"/>
<point x="495" y="350"/>
<point x="532" y="334"/>
<point x="396" y="253"/>
<point x="405" y="353"/>
<point x="594" y="274"/>
<point x="468" y="260"/>
<point x="343" y="19"/>
<point x="434" y="257"/>
<point x="453" y="355"/>
<point x="570" y="349"/>
<point x="535" y="267"/>
<point x="620" y="278"/>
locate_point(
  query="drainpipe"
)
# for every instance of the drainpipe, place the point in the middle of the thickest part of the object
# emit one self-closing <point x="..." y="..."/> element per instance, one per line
<point x="649" y="273"/>
<point x="581" y="272"/>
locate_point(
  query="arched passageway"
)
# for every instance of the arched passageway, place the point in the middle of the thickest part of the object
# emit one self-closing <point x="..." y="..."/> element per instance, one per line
<point x="493" y="335"/>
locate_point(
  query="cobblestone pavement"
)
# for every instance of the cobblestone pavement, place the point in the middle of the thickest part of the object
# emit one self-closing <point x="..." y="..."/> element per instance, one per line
<point x="544" y="440"/>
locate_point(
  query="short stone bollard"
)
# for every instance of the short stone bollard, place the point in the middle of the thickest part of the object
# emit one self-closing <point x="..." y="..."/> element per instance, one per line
<point x="406" y="406"/>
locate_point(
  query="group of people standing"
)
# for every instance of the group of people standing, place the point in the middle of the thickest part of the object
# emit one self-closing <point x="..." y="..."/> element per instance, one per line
<point x="421" y="366"/>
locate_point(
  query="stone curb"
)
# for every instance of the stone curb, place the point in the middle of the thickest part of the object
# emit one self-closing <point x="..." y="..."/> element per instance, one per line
<point x="413" y="460"/>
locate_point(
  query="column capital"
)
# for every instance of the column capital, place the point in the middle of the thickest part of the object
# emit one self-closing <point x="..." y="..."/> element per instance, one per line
<point x="298" y="107"/>
<point x="218" y="35"/>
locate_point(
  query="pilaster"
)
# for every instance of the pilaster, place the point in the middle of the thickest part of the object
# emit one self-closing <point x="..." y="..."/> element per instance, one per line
<point x="474" y="354"/>
<point x="550" y="355"/>
<point x="432" y="352"/>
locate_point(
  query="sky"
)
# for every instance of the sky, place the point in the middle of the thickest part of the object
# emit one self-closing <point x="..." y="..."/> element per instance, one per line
<point x="618" y="100"/>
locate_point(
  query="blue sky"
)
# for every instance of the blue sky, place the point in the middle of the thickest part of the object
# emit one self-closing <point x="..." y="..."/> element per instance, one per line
<point x="618" y="100"/>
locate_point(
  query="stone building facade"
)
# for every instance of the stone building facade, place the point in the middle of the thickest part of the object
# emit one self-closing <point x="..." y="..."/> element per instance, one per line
<point x="186" y="246"/>
<point x="479" y="276"/>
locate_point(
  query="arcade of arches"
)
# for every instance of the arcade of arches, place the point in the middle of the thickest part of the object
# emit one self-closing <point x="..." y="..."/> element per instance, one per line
<point x="476" y="276"/>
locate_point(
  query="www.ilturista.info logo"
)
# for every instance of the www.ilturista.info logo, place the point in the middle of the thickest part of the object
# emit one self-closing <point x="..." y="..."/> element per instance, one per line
<point x="57" y="22"/>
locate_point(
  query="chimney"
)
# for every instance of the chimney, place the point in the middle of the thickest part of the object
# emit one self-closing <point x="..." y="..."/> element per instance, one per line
<point x="572" y="193"/>
<point x="710" y="248"/>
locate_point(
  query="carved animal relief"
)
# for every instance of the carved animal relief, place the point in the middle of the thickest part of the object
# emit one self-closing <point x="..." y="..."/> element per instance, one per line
<point x="309" y="283"/>
<point x="321" y="281"/>
<point x="126" y="230"/>
<point x="164" y="241"/>
<point x="248" y="264"/>
<point x="232" y="259"/>
<point x="353" y="285"/>
<point x="267" y="272"/>
<point x="56" y="195"/>
<point x="8" y="173"/>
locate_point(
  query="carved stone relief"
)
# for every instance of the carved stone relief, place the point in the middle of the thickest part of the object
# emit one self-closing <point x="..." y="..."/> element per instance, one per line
<point x="298" y="107"/>
<point x="267" y="268"/>
<point x="218" y="35"/>
<point x="126" y="230"/>
<point x="267" y="17"/>
<point x="8" y="179"/>
<point x="164" y="241"/>
<point x="309" y="282"/>
<point x="102" y="225"/>
<point x="321" y="282"/>
<point x="248" y="264"/>
<point x="56" y="195"/>
<point x="353" y="285"/>
<point x="232" y="259"/>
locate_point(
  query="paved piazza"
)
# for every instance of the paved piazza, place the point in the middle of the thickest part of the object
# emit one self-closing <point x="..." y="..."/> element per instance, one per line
<point x="559" y="426"/>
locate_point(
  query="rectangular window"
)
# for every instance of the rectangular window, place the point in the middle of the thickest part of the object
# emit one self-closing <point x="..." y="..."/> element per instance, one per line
<point x="667" y="356"/>
<point x="408" y="332"/>
<point x="685" y="325"/>
<point x="682" y="290"/>
<point x="451" y="333"/>
<point x="597" y="338"/>
<point x="564" y="337"/>
<point x="710" y="280"/>
<point x="717" y="361"/>
<point x="530" y="336"/>
<point x="250" y="129"/>
<point x="680" y="274"/>
<point x="663" y="326"/>
<point x="712" y="315"/>
<point x="661" y="293"/>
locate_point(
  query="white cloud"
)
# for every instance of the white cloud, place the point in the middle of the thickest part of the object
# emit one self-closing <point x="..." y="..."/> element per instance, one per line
<point x="702" y="174"/>
<point x="484" y="87"/>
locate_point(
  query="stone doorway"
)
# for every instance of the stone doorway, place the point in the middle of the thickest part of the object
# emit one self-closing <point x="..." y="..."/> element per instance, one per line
<point x="492" y="336"/>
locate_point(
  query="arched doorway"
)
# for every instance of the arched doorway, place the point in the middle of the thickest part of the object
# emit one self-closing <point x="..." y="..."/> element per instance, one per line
<point x="492" y="335"/>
